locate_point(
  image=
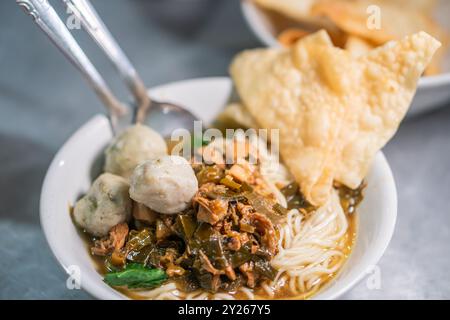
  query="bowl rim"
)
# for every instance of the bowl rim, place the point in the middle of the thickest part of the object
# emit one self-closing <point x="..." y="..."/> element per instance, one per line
<point x="249" y="9"/>
<point x="109" y="293"/>
<point x="387" y="234"/>
<point x="61" y="258"/>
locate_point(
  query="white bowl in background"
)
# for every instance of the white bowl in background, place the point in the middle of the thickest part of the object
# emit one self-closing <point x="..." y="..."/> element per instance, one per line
<point x="433" y="91"/>
<point x="71" y="171"/>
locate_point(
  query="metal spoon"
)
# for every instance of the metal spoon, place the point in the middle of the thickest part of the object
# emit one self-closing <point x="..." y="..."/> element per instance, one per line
<point x="47" y="19"/>
<point x="164" y="117"/>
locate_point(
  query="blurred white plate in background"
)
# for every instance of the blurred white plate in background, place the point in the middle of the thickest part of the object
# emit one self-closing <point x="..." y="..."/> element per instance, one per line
<point x="433" y="91"/>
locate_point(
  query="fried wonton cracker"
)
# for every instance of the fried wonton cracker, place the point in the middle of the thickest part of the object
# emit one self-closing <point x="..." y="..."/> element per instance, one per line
<point x="396" y="21"/>
<point x="357" y="46"/>
<point x="235" y="115"/>
<point x="334" y="111"/>
<point x="298" y="20"/>
<point x="271" y="86"/>
<point x="426" y="6"/>
<point x="290" y="36"/>
<point x="387" y="83"/>
<point x="296" y="9"/>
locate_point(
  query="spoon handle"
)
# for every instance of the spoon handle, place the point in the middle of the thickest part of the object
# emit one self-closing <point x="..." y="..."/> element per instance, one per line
<point x="48" y="20"/>
<point x="94" y="25"/>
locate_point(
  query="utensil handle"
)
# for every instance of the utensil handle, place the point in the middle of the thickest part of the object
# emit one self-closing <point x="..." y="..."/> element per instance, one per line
<point x="48" y="20"/>
<point x="94" y="25"/>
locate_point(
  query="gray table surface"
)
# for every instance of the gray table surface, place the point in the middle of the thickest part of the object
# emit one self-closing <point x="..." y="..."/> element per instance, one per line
<point x="43" y="100"/>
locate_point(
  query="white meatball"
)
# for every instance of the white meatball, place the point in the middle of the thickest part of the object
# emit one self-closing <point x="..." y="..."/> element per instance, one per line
<point x="106" y="204"/>
<point x="132" y="147"/>
<point x="166" y="184"/>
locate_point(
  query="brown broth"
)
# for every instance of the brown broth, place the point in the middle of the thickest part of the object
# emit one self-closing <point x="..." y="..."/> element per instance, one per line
<point x="282" y="293"/>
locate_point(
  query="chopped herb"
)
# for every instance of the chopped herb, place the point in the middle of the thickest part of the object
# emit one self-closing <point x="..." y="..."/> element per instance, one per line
<point x="227" y="181"/>
<point x="136" y="276"/>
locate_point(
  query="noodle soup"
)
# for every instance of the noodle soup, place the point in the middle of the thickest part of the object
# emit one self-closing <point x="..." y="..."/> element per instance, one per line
<point x="256" y="225"/>
<point x="310" y="244"/>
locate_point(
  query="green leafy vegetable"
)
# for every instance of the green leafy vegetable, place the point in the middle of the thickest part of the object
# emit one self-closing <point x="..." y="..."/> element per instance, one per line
<point x="294" y="197"/>
<point x="226" y="194"/>
<point x="136" y="276"/>
<point x="139" y="239"/>
<point x="230" y="183"/>
<point x="274" y="212"/>
<point x="187" y="225"/>
<point x="141" y="256"/>
<point x="264" y="268"/>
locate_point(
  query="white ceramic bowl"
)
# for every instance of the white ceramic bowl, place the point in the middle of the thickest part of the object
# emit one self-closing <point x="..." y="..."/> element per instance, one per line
<point x="70" y="175"/>
<point x="433" y="91"/>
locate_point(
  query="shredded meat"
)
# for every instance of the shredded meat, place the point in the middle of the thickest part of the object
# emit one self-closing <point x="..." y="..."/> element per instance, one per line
<point x="262" y="225"/>
<point x="210" y="188"/>
<point x="118" y="234"/>
<point x="174" y="270"/>
<point x="207" y="266"/>
<point x="211" y="211"/>
<point x="244" y="238"/>
<point x="224" y="240"/>
<point x="244" y="209"/>
<point x="234" y="243"/>
<point x="247" y="271"/>
<point x="265" y="227"/>
<point x="114" y="242"/>
<point x="224" y="226"/>
<point x="229" y="272"/>
<point x="239" y="224"/>
<point x="240" y="173"/>
<point x="169" y="256"/>
<point x="102" y="247"/>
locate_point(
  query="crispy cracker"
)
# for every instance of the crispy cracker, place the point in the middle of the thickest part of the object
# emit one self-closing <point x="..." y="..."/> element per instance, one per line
<point x="334" y="111"/>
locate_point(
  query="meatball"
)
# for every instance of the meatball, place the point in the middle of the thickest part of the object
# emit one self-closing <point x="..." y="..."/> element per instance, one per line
<point x="165" y="185"/>
<point x="106" y="204"/>
<point x="132" y="147"/>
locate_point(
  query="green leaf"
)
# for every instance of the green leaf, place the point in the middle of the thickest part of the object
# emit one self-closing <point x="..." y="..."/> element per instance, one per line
<point x="136" y="276"/>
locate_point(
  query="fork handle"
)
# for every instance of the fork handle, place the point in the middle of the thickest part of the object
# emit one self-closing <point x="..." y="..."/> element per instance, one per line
<point x="94" y="25"/>
<point x="48" y="20"/>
